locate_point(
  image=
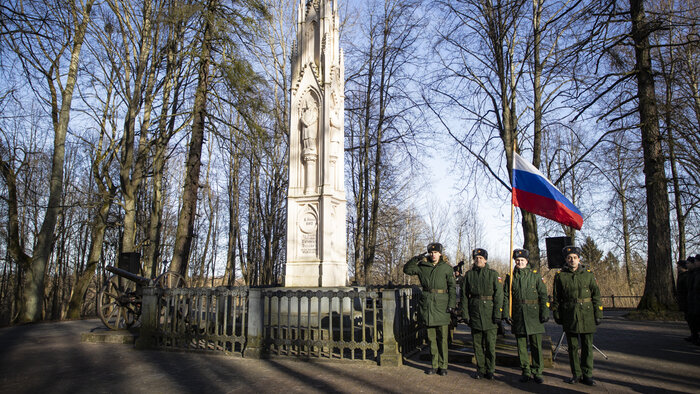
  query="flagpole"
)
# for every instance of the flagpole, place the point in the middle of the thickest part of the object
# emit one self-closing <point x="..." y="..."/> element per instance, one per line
<point x="512" y="225"/>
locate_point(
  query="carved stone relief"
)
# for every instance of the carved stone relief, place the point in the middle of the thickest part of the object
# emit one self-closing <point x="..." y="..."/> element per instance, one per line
<point x="309" y="125"/>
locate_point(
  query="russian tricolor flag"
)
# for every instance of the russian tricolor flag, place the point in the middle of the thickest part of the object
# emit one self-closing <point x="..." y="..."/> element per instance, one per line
<point x="534" y="193"/>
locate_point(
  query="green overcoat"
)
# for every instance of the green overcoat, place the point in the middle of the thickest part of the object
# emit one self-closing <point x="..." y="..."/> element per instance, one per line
<point x="482" y="298"/>
<point x="438" y="283"/>
<point x="693" y="299"/>
<point x="530" y="306"/>
<point x="576" y="300"/>
<point x="682" y="291"/>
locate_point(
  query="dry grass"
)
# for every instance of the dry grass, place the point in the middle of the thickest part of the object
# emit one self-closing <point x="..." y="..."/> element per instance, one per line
<point x="655" y="316"/>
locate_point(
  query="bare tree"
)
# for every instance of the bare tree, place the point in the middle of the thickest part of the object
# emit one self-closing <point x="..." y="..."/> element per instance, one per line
<point x="104" y="155"/>
<point x="383" y="110"/>
<point x="60" y="40"/>
<point x="217" y="17"/>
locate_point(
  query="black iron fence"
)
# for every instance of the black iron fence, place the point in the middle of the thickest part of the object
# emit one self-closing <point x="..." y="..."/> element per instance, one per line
<point x="620" y="302"/>
<point x="359" y="324"/>
<point x="367" y="324"/>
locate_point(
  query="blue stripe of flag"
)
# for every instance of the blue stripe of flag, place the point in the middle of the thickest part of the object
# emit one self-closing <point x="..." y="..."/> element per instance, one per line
<point x="534" y="183"/>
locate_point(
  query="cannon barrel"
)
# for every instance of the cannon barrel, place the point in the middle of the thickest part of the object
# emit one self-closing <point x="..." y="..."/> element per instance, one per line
<point x="140" y="280"/>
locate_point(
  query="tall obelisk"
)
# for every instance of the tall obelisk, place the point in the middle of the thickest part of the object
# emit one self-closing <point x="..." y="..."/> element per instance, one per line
<point x="316" y="205"/>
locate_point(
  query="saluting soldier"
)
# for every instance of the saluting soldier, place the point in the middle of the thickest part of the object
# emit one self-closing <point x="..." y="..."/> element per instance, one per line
<point x="437" y="301"/>
<point x="530" y="312"/>
<point x="576" y="306"/>
<point x="482" y="308"/>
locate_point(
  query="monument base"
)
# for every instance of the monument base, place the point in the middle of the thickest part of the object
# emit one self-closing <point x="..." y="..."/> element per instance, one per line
<point x="316" y="274"/>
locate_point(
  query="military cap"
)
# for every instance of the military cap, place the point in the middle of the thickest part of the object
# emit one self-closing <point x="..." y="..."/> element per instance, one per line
<point x="690" y="259"/>
<point x="682" y="263"/>
<point x="480" y="252"/>
<point x="571" y="249"/>
<point x="524" y="253"/>
<point x="435" y="247"/>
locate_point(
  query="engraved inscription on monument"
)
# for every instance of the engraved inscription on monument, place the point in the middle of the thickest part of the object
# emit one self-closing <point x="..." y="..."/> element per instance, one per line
<point x="308" y="224"/>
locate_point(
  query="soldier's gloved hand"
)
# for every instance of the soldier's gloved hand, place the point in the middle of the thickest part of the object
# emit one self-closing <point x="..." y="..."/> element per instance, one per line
<point x="496" y="320"/>
<point x="544" y="319"/>
<point x="449" y="310"/>
<point x="509" y="321"/>
<point x="598" y="321"/>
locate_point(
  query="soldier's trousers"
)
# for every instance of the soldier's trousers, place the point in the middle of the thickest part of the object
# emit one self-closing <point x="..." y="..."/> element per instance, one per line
<point x="485" y="350"/>
<point x="584" y="365"/>
<point x="437" y="336"/>
<point x="535" y="342"/>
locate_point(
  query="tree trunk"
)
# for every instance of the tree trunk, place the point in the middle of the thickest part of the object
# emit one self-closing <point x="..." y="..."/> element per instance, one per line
<point x="165" y="130"/>
<point x="186" y="217"/>
<point x="233" y="213"/>
<point x="75" y="305"/>
<point x="133" y="163"/>
<point x="658" y="291"/>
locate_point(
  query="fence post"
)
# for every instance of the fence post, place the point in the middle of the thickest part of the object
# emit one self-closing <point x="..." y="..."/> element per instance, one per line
<point x="255" y="335"/>
<point x="149" y="319"/>
<point x="390" y="355"/>
<point x="613" y="301"/>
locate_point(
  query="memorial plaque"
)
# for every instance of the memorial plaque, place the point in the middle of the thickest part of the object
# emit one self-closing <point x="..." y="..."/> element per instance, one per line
<point x="308" y="224"/>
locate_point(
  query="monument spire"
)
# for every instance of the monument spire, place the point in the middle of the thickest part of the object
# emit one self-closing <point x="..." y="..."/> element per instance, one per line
<point x="316" y="205"/>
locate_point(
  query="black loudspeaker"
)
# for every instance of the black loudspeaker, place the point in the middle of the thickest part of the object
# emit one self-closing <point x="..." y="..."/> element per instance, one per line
<point x="555" y="259"/>
<point x="130" y="261"/>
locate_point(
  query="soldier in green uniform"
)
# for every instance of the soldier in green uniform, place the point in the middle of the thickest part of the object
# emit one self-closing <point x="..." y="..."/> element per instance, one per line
<point x="482" y="308"/>
<point x="576" y="306"/>
<point x="682" y="292"/>
<point x="437" y="301"/>
<point x="693" y="298"/>
<point x="530" y="312"/>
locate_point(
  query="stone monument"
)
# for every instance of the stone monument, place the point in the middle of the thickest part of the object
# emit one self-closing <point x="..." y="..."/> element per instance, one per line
<point x="316" y="205"/>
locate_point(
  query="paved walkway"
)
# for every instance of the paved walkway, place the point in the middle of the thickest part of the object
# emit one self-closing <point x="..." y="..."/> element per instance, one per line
<point x="643" y="357"/>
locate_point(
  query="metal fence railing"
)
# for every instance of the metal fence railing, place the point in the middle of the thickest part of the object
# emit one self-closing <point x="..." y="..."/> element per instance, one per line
<point x="332" y="324"/>
<point x="329" y="323"/>
<point x="204" y="319"/>
<point x="410" y="335"/>
<point x="620" y="302"/>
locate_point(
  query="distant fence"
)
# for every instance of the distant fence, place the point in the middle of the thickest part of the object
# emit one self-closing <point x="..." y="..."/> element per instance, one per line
<point x="366" y="324"/>
<point x="620" y="302"/>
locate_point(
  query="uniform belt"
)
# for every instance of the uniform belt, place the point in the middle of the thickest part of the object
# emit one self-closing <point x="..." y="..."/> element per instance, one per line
<point x="529" y="301"/>
<point x="438" y="291"/>
<point x="582" y="300"/>
<point x="487" y="298"/>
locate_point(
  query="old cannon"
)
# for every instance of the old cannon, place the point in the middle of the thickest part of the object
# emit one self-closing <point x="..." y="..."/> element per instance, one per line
<point x="119" y="300"/>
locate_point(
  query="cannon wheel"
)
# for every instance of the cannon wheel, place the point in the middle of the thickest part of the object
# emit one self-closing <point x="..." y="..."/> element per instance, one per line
<point x="170" y="280"/>
<point x="115" y="305"/>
